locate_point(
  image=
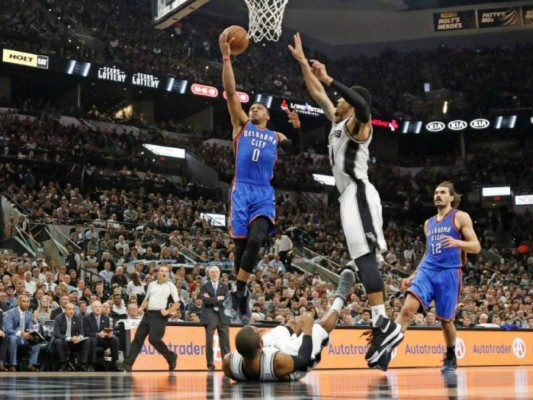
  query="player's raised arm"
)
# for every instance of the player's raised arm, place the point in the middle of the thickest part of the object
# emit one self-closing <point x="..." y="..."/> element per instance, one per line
<point x="285" y="364"/>
<point x="359" y="126"/>
<point x="238" y="116"/>
<point x="316" y="90"/>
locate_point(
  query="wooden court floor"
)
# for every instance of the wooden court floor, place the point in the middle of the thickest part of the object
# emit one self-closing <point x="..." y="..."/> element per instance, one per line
<point x="419" y="383"/>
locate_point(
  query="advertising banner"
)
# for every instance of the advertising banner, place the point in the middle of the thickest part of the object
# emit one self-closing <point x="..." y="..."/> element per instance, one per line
<point x="497" y="17"/>
<point x="420" y="348"/>
<point x="454" y="20"/>
<point x="26" y="59"/>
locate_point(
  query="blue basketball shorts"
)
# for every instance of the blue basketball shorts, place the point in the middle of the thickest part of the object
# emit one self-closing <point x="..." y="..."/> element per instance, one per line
<point x="248" y="202"/>
<point x="443" y="286"/>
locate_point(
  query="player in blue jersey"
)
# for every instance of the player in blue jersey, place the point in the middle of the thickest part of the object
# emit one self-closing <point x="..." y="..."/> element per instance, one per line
<point x="450" y="235"/>
<point x="253" y="207"/>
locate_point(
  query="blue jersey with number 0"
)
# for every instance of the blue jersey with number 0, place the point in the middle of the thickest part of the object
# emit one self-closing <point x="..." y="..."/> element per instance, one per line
<point x="437" y="256"/>
<point x="256" y="151"/>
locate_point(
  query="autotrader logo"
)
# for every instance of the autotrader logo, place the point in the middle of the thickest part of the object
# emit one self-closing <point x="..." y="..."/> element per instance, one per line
<point x="435" y="126"/>
<point x="457" y="125"/>
<point x="479" y="123"/>
<point x="519" y="348"/>
<point x="460" y="348"/>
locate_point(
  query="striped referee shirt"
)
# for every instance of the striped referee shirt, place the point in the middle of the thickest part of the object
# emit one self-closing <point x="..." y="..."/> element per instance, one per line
<point x="157" y="295"/>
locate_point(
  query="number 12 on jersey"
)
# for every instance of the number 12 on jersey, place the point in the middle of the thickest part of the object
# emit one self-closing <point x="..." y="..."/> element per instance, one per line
<point x="436" y="248"/>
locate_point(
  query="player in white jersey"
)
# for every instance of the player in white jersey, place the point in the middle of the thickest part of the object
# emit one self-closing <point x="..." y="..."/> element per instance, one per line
<point x="286" y="353"/>
<point x="349" y="138"/>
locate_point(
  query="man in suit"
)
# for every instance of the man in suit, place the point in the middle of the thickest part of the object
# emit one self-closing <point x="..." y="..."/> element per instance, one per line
<point x="63" y="301"/>
<point x="3" y="344"/>
<point x="213" y="293"/>
<point x="69" y="334"/>
<point x="17" y="326"/>
<point x="94" y="325"/>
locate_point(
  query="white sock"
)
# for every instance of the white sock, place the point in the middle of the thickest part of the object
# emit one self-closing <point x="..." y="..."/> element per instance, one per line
<point x="338" y="304"/>
<point x="376" y="312"/>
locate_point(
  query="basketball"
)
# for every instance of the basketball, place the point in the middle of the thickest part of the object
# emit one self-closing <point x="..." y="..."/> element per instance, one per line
<point x="240" y="41"/>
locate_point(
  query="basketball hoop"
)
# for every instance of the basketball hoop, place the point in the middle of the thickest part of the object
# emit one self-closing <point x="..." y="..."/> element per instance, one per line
<point x="265" y="19"/>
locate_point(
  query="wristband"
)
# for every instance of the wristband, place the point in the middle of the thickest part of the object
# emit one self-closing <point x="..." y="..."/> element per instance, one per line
<point x="225" y="58"/>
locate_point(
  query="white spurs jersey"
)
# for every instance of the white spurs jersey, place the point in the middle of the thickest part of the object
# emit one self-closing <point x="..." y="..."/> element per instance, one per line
<point x="266" y="367"/>
<point x="347" y="156"/>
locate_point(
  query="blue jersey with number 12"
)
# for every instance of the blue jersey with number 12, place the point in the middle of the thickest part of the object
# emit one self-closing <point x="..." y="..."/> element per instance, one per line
<point x="256" y="151"/>
<point x="437" y="256"/>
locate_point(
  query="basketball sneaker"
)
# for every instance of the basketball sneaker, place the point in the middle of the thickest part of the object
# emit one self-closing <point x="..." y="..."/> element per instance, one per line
<point x="384" y="360"/>
<point x="448" y="365"/>
<point x="231" y="305"/>
<point x="385" y="336"/>
<point x="244" y="312"/>
<point x="346" y="281"/>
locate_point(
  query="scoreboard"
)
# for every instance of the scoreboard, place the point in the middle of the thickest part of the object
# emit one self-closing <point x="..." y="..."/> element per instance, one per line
<point x="167" y="12"/>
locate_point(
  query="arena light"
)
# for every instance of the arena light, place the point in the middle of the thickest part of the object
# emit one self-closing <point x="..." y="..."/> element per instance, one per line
<point x="505" y="122"/>
<point x="266" y="99"/>
<point x="412" y="127"/>
<point x="165" y="151"/>
<point x="324" y="179"/>
<point x="176" y="85"/>
<point x="524" y="200"/>
<point x="496" y="191"/>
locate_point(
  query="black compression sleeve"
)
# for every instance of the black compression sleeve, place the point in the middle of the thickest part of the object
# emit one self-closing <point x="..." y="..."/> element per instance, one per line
<point x="303" y="359"/>
<point x="362" y="109"/>
<point x="293" y="146"/>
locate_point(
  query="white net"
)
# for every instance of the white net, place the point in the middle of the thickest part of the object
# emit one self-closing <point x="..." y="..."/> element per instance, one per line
<point x="265" y="18"/>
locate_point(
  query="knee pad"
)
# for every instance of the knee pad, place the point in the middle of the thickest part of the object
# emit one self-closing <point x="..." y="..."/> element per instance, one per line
<point x="369" y="274"/>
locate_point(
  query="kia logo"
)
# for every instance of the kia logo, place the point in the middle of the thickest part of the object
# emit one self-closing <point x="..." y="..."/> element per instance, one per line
<point x="479" y="123"/>
<point x="435" y="126"/>
<point x="457" y="125"/>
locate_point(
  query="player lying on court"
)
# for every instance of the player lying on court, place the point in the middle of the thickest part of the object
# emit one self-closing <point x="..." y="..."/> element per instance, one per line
<point x="450" y="235"/>
<point x="288" y="352"/>
<point x="253" y="206"/>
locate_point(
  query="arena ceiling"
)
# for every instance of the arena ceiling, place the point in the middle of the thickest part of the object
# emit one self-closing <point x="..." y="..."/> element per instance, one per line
<point x="360" y="24"/>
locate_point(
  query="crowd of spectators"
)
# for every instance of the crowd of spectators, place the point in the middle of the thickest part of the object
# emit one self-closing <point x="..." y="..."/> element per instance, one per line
<point x="122" y="33"/>
<point x="119" y="238"/>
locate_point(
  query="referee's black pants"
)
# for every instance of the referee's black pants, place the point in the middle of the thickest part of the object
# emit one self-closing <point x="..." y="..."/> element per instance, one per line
<point x="153" y="325"/>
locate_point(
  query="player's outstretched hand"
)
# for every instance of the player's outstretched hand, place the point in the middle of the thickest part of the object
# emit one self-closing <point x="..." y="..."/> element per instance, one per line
<point x="224" y="44"/>
<point x="297" y="50"/>
<point x="319" y="70"/>
<point x="306" y="321"/>
<point x="294" y="119"/>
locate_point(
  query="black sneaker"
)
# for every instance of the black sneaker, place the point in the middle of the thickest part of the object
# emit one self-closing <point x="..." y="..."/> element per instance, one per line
<point x="172" y="364"/>
<point x="386" y="335"/>
<point x="244" y="313"/>
<point x="449" y="365"/>
<point x="231" y="305"/>
<point x="384" y="360"/>
<point x="124" y="366"/>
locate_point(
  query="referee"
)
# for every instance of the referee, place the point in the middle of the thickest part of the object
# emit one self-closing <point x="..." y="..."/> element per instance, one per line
<point x="155" y="320"/>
